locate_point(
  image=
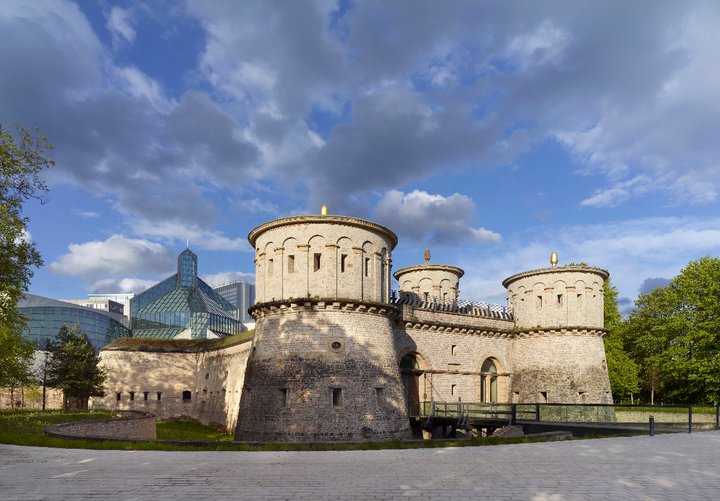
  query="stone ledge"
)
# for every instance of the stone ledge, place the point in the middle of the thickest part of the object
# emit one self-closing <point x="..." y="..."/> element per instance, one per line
<point x="322" y="304"/>
<point x="136" y="426"/>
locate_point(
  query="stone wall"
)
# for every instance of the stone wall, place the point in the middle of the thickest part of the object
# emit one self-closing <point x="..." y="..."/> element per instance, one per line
<point x="323" y="371"/>
<point x="560" y="366"/>
<point x="557" y="297"/>
<point x="134" y="426"/>
<point x="203" y="385"/>
<point x="428" y="281"/>
<point x="30" y="398"/>
<point x="323" y="257"/>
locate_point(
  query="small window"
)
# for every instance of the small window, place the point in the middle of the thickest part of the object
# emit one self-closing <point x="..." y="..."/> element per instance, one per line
<point x="316" y="261"/>
<point x="367" y="266"/>
<point x="427" y="296"/>
<point x="146" y="394"/>
<point x="207" y="375"/>
<point x="159" y="395"/>
<point x="453" y="349"/>
<point x="444" y="297"/>
<point x="283" y="395"/>
<point x="559" y="299"/>
<point x="343" y="258"/>
<point x="539" y="301"/>
<point x="337" y="397"/>
<point x="579" y="296"/>
<point x="543" y="397"/>
<point x="118" y="396"/>
<point x="187" y="396"/>
<point x="132" y="396"/>
<point x="516" y="396"/>
<point x="270" y="267"/>
<point x="291" y="264"/>
<point x="380" y="396"/>
<point x="452" y="389"/>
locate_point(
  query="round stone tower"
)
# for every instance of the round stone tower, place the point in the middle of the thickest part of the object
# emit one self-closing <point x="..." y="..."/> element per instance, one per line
<point x="430" y="282"/>
<point x="559" y="354"/>
<point x="322" y="366"/>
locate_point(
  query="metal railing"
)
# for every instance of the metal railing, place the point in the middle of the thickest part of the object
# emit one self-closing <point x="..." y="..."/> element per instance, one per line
<point x="464" y="306"/>
<point x="665" y="417"/>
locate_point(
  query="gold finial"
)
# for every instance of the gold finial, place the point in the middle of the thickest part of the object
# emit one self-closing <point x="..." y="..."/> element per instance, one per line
<point x="427" y="255"/>
<point x="324" y="210"/>
<point x="554" y="259"/>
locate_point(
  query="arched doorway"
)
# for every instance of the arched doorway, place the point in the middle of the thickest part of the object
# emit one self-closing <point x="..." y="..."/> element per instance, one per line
<point x="488" y="381"/>
<point x="410" y="371"/>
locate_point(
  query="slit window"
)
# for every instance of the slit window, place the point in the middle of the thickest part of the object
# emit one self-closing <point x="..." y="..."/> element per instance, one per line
<point x="270" y="267"/>
<point x="146" y="394"/>
<point x="343" y="258"/>
<point x="283" y="397"/>
<point x="453" y="349"/>
<point x="380" y="396"/>
<point x="543" y="397"/>
<point x="452" y="389"/>
<point x="159" y="395"/>
<point x="559" y="299"/>
<point x="132" y="396"/>
<point x="539" y="301"/>
<point x="118" y="396"/>
<point x="316" y="262"/>
<point x="367" y="266"/>
<point x="291" y="264"/>
<point x="337" y="397"/>
<point x="187" y="395"/>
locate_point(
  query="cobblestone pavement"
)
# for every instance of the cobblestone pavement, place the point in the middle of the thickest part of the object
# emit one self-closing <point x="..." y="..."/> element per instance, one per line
<point x="679" y="466"/>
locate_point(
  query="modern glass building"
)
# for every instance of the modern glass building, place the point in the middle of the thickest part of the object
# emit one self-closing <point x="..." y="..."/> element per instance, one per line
<point x="46" y="316"/>
<point x="183" y="306"/>
<point x="241" y="296"/>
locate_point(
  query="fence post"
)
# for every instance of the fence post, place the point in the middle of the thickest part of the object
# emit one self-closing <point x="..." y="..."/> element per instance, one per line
<point x="652" y="426"/>
<point x="689" y="418"/>
<point x="537" y="412"/>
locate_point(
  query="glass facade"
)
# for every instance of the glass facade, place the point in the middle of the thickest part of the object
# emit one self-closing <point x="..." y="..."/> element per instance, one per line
<point x="171" y="307"/>
<point x="241" y="296"/>
<point x="45" y="316"/>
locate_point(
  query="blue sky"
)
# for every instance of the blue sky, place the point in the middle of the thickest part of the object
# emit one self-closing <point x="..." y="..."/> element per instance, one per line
<point x="491" y="132"/>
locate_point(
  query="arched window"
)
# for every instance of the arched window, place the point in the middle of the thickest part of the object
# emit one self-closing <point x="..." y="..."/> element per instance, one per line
<point x="488" y="381"/>
<point x="409" y="362"/>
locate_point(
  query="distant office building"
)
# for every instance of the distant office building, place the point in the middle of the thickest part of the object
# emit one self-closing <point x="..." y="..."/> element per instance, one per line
<point x="99" y="304"/>
<point x="241" y="295"/>
<point x="183" y="307"/>
<point x="123" y="298"/>
<point x="46" y="316"/>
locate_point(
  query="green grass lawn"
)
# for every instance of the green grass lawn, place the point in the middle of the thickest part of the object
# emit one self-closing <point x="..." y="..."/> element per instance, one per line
<point x="25" y="427"/>
<point x="190" y="430"/>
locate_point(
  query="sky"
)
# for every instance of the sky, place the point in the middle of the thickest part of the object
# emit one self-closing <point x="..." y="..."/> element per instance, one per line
<point x="490" y="132"/>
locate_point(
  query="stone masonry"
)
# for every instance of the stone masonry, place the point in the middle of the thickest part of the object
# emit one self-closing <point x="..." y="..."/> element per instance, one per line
<point x="335" y="357"/>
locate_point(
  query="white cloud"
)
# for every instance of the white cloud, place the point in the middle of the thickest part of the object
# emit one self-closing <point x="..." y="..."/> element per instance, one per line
<point x="619" y="193"/>
<point x="440" y="220"/>
<point x="121" y="285"/>
<point x="139" y="85"/>
<point x="119" y="24"/>
<point x="543" y="46"/>
<point x="632" y="251"/>
<point x="116" y="256"/>
<point x="196" y="236"/>
<point x="226" y="277"/>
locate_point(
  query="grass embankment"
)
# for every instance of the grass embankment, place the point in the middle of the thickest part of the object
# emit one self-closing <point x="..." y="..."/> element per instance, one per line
<point x="177" y="345"/>
<point x="23" y="427"/>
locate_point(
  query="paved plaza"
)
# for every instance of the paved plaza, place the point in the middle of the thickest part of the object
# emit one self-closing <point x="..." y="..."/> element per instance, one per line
<point x="679" y="466"/>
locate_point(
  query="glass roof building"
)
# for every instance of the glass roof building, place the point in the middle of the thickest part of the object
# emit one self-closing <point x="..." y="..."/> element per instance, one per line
<point x="183" y="307"/>
<point x="45" y="316"/>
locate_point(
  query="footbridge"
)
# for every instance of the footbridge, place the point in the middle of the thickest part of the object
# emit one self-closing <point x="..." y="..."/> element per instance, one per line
<point x="449" y="418"/>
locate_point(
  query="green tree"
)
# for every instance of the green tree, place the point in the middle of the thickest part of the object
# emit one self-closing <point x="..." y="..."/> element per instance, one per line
<point x="622" y="370"/>
<point x="21" y="163"/>
<point x="675" y="335"/>
<point x="16" y="357"/>
<point x="74" y="366"/>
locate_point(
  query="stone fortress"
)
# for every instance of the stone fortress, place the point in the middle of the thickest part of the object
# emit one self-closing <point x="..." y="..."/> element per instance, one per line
<point x="337" y="356"/>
